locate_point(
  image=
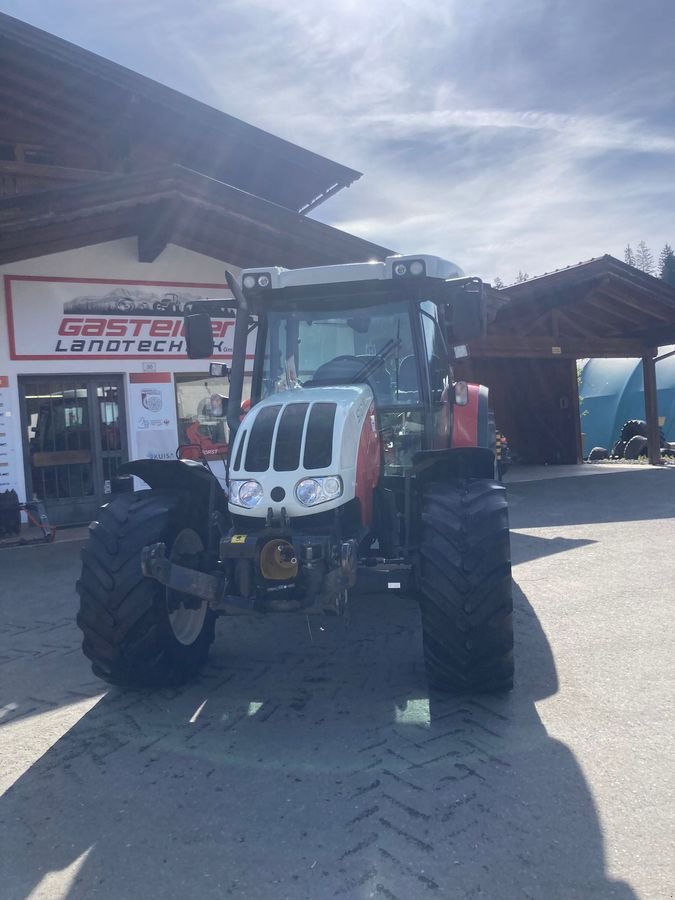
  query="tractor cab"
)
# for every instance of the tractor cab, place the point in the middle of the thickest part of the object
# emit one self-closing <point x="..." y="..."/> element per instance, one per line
<point x="396" y="326"/>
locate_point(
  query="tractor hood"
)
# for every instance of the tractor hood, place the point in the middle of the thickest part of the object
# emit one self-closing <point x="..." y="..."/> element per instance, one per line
<point x="299" y="450"/>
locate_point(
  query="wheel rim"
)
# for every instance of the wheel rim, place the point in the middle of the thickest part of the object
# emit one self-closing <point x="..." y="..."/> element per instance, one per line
<point x="185" y="623"/>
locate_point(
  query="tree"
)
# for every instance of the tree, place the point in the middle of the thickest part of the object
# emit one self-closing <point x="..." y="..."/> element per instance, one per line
<point x="521" y="277"/>
<point x="497" y="283"/>
<point x="644" y="259"/>
<point x="628" y="255"/>
<point x="667" y="265"/>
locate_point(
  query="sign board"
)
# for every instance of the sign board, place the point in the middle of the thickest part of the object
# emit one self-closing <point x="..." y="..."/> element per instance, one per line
<point x="77" y="318"/>
<point x="152" y="415"/>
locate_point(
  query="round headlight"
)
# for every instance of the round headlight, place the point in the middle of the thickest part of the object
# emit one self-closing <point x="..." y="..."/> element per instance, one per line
<point x="263" y="281"/>
<point x="400" y="269"/>
<point x="250" y="494"/>
<point x="249" y="281"/>
<point x="416" y="267"/>
<point x="308" y="491"/>
<point x="332" y="487"/>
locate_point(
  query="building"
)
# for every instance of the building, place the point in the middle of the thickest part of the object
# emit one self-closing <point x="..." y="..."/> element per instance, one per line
<point x="121" y="204"/>
<point x="538" y="330"/>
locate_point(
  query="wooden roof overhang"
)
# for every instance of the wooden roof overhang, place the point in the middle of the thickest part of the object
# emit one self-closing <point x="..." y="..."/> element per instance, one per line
<point x="599" y="308"/>
<point x="173" y="205"/>
<point x="121" y="118"/>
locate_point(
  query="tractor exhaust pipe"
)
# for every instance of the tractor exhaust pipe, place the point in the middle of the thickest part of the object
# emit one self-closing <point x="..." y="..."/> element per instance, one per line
<point x="238" y="356"/>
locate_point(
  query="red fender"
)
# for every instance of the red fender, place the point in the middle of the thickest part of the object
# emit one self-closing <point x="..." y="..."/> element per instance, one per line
<point x="470" y="422"/>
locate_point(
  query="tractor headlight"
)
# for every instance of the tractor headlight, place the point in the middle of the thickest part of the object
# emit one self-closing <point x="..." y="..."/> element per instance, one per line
<point x="245" y="493"/>
<point x="312" y="491"/>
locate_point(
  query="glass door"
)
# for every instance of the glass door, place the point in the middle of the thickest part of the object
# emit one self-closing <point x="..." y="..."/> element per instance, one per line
<point x="74" y="442"/>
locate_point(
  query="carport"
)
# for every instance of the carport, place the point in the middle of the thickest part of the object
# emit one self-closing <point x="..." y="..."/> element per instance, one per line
<point x="538" y="330"/>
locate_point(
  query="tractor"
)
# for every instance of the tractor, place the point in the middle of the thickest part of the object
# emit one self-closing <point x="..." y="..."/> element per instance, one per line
<point x="360" y="467"/>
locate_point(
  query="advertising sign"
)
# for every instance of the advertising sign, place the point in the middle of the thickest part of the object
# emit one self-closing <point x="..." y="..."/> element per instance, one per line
<point x="152" y="415"/>
<point x="76" y="318"/>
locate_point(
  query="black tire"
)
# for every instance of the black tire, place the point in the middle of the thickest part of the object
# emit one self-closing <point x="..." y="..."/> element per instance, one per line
<point x="633" y="427"/>
<point x="636" y="447"/>
<point x="124" y="617"/>
<point x="465" y="587"/>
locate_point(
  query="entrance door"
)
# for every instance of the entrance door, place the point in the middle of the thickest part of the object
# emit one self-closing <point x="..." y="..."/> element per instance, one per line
<point x="74" y="442"/>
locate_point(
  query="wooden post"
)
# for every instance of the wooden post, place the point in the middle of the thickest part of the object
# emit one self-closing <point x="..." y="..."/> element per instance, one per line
<point x="651" y="408"/>
<point x="576" y="412"/>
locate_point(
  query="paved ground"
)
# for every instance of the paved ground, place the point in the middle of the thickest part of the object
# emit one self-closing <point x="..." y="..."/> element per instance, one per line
<point x="320" y="768"/>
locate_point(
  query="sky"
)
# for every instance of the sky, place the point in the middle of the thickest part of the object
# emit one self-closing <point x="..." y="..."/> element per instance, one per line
<point x="506" y="136"/>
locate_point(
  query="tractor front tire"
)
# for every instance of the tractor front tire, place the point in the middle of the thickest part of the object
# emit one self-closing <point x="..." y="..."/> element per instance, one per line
<point x="135" y="632"/>
<point x="465" y="587"/>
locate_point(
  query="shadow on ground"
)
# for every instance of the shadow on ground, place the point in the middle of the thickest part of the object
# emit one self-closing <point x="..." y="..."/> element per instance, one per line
<point x="298" y="768"/>
<point x="526" y="547"/>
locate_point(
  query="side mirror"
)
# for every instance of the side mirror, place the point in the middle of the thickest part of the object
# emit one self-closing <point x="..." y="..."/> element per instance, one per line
<point x="468" y="311"/>
<point x="218" y="370"/>
<point x="199" y="336"/>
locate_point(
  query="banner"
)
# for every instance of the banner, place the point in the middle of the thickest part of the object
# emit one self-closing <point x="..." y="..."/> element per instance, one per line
<point x="57" y="318"/>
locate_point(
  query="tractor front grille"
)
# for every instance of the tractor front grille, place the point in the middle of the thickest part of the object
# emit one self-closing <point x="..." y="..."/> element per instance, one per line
<point x="319" y="440"/>
<point x="289" y="437"/>
<point x="278" y="434"/>
<point x="259" y="447"/>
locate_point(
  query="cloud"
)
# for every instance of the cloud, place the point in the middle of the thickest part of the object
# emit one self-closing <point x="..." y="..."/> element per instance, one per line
<point x="525" y="135"/>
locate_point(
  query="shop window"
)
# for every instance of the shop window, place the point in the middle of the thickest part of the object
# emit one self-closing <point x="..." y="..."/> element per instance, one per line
<point x="202" y="404"/>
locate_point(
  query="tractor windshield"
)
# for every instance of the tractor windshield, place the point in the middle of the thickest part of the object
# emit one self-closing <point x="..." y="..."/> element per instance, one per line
<point x="316" y="347"/>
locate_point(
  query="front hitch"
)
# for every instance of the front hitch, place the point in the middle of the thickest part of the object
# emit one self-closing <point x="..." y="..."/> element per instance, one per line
<point x="191" y="583"/>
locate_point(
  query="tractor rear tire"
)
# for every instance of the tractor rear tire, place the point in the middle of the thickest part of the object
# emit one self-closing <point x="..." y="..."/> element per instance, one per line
<point x="465" y="587"/>
<point x="135" y="632"/>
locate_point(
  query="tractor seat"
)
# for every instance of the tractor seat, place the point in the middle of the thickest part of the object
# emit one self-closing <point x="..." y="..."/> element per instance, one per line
<point x="343" y="370"/>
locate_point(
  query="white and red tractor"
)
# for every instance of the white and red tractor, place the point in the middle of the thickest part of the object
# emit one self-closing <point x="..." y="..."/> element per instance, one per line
<point x="360" y="466"/>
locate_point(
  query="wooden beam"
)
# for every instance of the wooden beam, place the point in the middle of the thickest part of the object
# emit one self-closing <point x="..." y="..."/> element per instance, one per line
<point x="651" y="409"/>
<point x="612" y="305"/>
<point x="571" y="322"/>
<point x="534" y="323"/>
<point x="576" y="412"/>
<point x="645" y="306"/>
<point x="38" y="119"/>
<point x="156" y="229"/>
<point x="542" y="347"/>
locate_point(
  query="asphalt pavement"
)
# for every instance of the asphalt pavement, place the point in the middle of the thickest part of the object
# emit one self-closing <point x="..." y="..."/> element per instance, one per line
<point x="310" y="763"/>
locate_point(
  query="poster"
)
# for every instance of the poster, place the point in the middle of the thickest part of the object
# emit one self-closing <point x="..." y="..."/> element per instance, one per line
<point x="152" y="415"/>
<point x="61" y="318"/>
